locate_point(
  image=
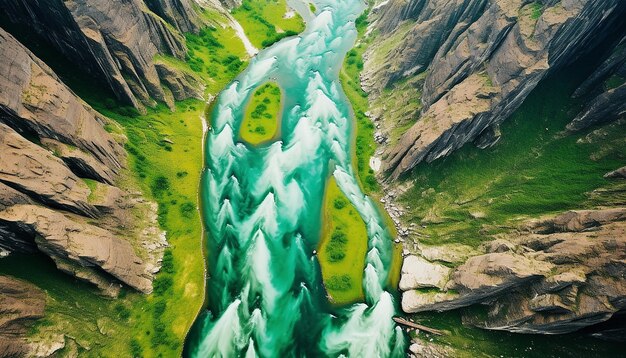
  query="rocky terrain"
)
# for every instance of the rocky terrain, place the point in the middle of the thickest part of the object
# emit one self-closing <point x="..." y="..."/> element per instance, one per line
<point x="116" y="42"/>
<point x="58" y="172"/>
<point x="556" y="275"/>
<point x="471" y="63"/>
<point x="441" y="74"/>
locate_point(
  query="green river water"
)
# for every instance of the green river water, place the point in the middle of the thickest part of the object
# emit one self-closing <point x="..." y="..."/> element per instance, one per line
<point x="262" y="210"/>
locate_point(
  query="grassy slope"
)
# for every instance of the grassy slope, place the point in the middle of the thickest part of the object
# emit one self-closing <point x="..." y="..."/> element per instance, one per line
<point x="261" y="121"/>
<point x="264" y="21"/>
<point x="533" y="170"/>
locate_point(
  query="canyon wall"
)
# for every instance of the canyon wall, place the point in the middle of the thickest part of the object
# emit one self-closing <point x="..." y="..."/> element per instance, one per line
<point x="478" y="60"/>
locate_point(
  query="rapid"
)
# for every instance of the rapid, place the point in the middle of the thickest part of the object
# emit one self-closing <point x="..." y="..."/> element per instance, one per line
<point x="262" y="211"/>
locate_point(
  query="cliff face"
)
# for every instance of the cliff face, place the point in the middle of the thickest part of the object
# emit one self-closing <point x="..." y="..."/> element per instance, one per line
<point x="53" y="145"/>
<point x="479" y="58"/>
<point x="116" y="42"/>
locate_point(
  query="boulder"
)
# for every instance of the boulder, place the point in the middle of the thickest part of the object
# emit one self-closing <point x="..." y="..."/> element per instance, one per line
<point x="618" y="173"/>
<point x="419" y="273"/>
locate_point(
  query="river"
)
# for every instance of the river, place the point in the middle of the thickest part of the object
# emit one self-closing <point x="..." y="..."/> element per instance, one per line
<point x="262" y="211"/>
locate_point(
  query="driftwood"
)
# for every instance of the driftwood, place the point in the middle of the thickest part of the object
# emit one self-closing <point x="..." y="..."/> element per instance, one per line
<point x="404" y="322"/>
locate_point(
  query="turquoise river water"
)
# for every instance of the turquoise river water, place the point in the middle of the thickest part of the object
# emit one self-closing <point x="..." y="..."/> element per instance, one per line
<point x="262" y="210"/>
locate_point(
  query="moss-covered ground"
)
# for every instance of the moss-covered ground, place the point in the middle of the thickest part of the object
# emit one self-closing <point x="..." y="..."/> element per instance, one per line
<point x="268" y="21"/>
<point x="261" y="121"/>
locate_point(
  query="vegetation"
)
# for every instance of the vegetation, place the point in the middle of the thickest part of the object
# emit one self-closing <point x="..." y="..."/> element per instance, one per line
<point x="262" y="118"/>
<point x="536" y="10"/>
<point x="614" y="81"/>
<point x="342" y="248"/>
<point x="267" y="21"/>
<point x="349" y="76"/>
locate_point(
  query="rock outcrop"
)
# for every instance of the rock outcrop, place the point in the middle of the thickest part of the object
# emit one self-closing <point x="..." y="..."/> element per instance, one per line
<point x="116" y="42"/>
<point x="618" y="173"/>
<point x="21" y="304"/>
<point x="58" y="169"/>
<point x="83" y="250"/>
<point x="557" y="276"/>
<point x="607" y="87"/>
<point x="480" y="59"/>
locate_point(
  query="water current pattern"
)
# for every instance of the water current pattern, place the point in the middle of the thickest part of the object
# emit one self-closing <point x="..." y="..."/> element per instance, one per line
<point x="262" y="210"/>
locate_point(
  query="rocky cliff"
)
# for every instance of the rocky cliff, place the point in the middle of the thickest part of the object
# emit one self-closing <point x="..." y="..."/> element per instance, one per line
<point x="476" y="61"/>
<point x="58" y="172"/>
<point x="116" y="42"/>
<point x="557" y="276"/>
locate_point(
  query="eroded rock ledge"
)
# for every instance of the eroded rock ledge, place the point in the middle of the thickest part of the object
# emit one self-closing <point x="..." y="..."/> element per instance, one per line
<point x="557" y="275"/>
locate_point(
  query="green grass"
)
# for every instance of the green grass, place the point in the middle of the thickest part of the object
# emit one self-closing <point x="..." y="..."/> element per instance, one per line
<point x="154" y="325"/>
<point x="342" y="248"/>
<point x="365" y="146"/>
<point x="534" y="170"/>
<point x="312" y="7"/>
<point x="262" y="117"/>
<point x="364" y="142"/>
<point x="536" y="10"/>
<point x="265" y="23"/>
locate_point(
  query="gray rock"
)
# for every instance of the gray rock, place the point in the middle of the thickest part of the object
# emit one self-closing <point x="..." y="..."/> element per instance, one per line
<point x="50" y="140"/>
<point x="84" y="250"/>
<point x="618" y="173"/>
<point x="419" y="273"/>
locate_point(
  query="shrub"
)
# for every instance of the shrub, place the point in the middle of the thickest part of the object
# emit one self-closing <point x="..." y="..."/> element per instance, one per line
<point x="109" y="103"/>
<point x="135" y="348"/>
<point x="339" y="203"/>
<point x="339" y="283"/>
<point x="162" y="284"/>
<point x="159" y="186"/>
<point x="122" y="312"/>
<point x="186" y="209"/>
<point x="167" y="264"/>
<point x="159" y="308"/>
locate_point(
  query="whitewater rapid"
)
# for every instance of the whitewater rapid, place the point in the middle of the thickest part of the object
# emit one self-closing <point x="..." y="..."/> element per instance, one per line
<point x="262" y="210"/>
